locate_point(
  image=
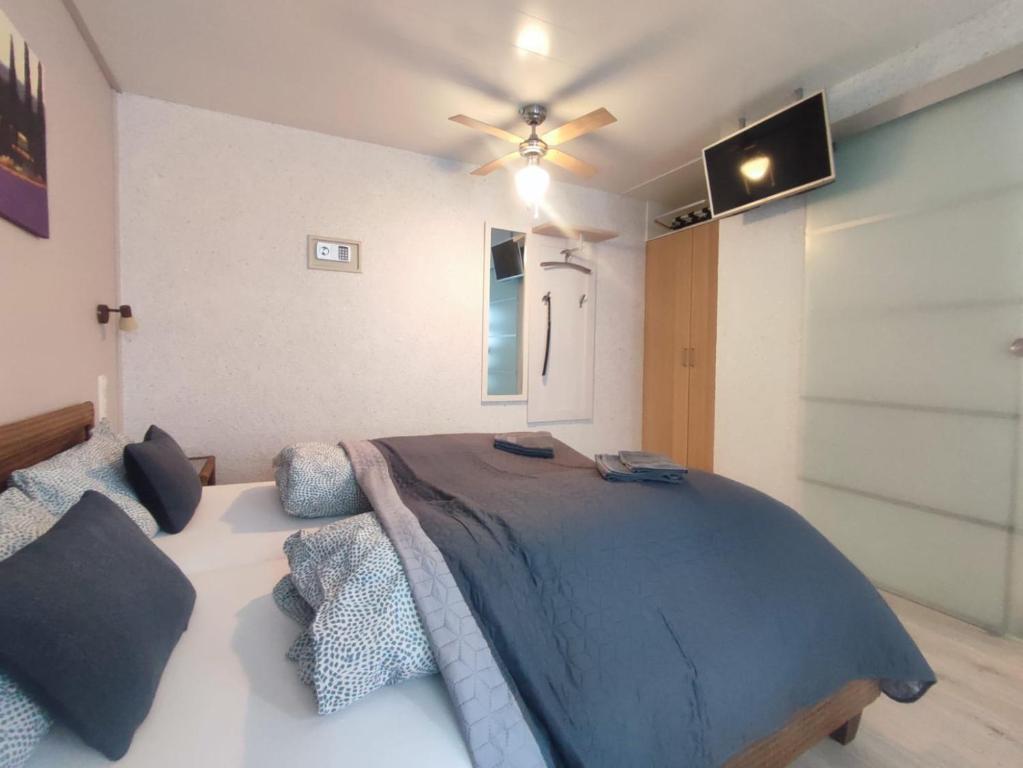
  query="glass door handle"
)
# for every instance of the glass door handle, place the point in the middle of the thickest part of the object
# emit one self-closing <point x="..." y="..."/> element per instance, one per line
<point x="1017" y="347"/>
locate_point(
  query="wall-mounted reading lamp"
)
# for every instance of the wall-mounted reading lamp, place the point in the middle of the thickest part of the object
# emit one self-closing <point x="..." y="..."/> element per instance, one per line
<point x="127" y="321"/>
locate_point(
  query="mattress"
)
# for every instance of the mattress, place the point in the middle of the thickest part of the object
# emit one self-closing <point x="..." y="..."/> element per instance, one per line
<point x="229" y="697"/>
<point x="234" y="525"/>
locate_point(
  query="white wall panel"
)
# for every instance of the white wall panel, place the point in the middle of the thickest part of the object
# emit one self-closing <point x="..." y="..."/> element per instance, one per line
<point x="759" y="347"/>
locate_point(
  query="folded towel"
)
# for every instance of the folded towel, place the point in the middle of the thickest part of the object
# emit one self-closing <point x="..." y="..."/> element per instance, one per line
<point x="639" y="461"/>
<point x="612" y="468"/>
<point x="536" y="444"/>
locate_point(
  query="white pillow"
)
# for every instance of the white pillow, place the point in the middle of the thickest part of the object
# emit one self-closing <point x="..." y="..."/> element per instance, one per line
<point x="317" y="480"/>
<point x="95" y="465"/>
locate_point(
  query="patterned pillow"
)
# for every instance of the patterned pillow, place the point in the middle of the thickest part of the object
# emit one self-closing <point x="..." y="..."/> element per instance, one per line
<point x="317" y="480"/>
<point x="365" y="632"/>
<point x="291" y="603"/>
<point x="95" y="465"/>
<point x="22" y="521"/>
<point x="22" y="722"/>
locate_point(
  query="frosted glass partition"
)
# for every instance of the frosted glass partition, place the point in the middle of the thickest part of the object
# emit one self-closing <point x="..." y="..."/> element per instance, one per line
<point x="914" y="294"/>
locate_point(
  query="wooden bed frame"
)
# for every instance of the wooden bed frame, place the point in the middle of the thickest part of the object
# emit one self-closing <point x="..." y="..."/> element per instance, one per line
<point x="30" y="441"/>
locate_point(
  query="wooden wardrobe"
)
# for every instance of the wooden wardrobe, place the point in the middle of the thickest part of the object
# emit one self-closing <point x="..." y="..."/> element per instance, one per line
<point x="680" y="345"/>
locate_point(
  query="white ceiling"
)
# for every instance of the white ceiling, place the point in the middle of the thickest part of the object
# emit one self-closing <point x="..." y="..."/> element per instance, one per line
<point x="677" y="73"/>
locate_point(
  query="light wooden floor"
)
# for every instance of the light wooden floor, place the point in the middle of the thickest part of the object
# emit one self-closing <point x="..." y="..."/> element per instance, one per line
<point x="972" y="717"/>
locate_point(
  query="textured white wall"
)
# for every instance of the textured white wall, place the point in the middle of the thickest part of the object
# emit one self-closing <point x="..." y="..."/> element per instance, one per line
<point x="760" y="329"/>
<point x="241" y="349"/>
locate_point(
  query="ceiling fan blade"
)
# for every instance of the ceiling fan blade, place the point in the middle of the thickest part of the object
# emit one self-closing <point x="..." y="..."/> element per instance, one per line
<point x="493" y="130"/>
<point x="598" y="118"/>
<point x="569" y="163"/>
<point x="493" y="165"/>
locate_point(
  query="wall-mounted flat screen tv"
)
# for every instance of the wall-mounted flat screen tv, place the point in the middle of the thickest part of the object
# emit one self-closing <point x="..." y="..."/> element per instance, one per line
<point x="507" y="258"/>
<point x="784" y="154"/>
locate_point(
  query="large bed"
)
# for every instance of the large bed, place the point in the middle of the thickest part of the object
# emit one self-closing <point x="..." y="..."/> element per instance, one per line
<point x="229" y="697"/>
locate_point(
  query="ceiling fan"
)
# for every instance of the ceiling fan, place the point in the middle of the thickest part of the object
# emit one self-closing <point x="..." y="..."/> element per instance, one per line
<point x="532" y="180"/>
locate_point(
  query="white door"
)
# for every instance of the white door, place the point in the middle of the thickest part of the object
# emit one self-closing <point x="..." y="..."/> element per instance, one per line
<point x="562" y="301"/>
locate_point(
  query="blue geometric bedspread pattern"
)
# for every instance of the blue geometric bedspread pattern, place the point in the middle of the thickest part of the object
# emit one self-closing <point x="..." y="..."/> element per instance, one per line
<point x="590" y="624"/>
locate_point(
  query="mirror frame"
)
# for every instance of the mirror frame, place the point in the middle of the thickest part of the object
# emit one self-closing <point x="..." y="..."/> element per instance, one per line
<point x="523" y="395"/>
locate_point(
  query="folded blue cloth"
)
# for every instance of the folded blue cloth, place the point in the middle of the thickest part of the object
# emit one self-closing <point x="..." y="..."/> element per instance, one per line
<point x="639" y="461"/>
<point x="643" y="467"/>
<point x="539" y="445"/>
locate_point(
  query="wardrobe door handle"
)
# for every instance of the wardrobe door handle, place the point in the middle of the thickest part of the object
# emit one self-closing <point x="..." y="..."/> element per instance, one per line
<point x="692" y="357"/>
<point x="685" y="357"/>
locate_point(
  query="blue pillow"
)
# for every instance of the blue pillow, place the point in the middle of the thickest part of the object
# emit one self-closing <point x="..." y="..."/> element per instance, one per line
<point x="91" y="612"/>
<point x="164" y="479"/>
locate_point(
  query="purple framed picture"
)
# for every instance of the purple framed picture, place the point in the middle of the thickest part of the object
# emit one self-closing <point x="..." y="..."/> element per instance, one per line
<point x="23" y="196"/>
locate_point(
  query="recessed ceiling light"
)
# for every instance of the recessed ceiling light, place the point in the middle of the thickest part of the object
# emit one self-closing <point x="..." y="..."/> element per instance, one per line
<point x="534" y="38"/>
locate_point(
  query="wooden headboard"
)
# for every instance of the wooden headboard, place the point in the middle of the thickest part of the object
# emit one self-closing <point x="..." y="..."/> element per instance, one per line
<point x="36" y="439"/>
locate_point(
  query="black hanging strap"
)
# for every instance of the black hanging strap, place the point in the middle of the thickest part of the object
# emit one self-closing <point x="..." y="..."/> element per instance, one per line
<point x="547" y="350"/>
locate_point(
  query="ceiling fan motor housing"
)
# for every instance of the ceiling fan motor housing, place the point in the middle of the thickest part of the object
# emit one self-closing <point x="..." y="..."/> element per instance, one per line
<point x="534" y="147"/>
<point x="533" y="114"/>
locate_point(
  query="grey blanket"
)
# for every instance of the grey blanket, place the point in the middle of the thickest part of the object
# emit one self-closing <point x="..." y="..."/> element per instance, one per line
<point x="583" y="623"/>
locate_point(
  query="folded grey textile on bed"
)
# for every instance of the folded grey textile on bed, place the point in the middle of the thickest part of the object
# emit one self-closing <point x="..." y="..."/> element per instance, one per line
<point x="644" y="461"/>
<point x="361" y="629"/>
<point x="612" y="468"/>
<point x="538" y="444"/>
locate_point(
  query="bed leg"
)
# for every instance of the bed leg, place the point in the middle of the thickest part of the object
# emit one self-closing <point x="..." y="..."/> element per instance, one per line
<point x="847" y="731"/>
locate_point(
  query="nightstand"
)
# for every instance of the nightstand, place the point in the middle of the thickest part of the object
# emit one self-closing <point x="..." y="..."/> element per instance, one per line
<point x="206" y="466"/>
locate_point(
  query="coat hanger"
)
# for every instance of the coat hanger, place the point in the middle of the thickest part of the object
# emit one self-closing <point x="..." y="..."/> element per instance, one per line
<point x="566" y="264"/>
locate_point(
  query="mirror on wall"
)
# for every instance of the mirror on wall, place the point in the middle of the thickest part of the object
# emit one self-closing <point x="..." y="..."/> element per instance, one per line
<point x="504" y="324"/>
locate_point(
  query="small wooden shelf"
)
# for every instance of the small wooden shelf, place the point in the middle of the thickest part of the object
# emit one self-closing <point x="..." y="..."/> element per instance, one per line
<point x="587" y="234"/>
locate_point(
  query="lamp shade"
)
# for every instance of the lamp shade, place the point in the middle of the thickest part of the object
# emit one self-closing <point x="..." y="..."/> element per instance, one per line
<point x="127" y="321"/>
<point x="532" y="182"/>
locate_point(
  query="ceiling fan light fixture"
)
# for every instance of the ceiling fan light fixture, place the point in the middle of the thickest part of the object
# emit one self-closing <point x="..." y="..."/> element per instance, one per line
<point x="532" y="182"/>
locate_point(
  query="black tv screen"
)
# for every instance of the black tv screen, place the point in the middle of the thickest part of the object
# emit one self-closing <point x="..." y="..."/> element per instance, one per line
<point x="507" y="258"/>
<point x="781" y="155"/>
